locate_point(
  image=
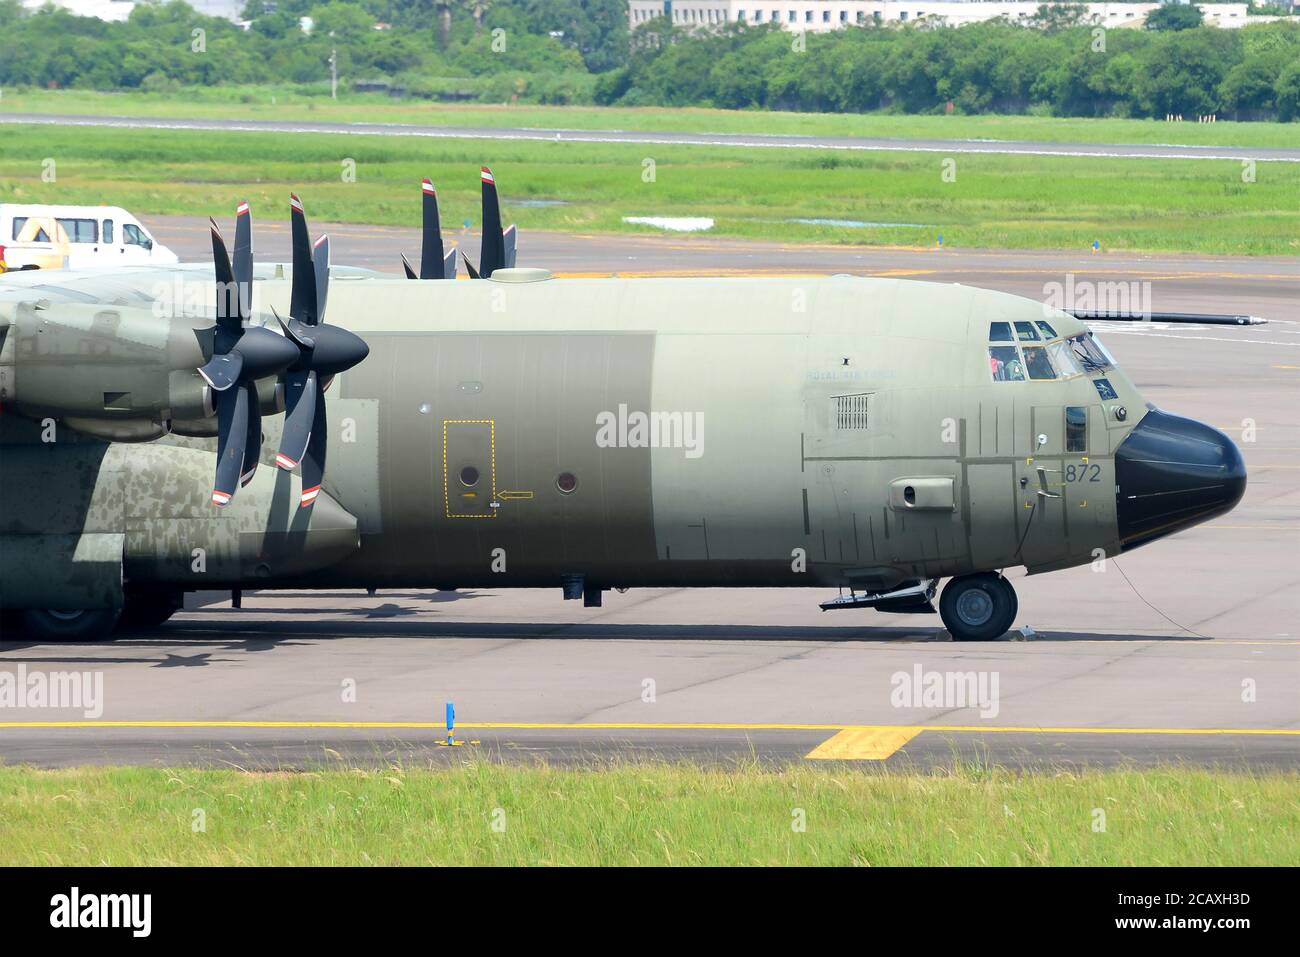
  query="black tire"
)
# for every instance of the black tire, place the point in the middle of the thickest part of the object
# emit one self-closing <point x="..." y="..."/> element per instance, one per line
<point x="149" y="608"/>
<point x="978" y="607"/>
<point x="92" y="624"/>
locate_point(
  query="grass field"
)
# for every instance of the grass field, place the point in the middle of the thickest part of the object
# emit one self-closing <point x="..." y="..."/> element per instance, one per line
<point x="646" y="814"/>
<point x="267" y="103"/>
<point x="995" y="201"/>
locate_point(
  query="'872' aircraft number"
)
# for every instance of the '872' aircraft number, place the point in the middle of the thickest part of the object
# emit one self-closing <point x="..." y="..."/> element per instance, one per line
<point x="1083" y="473"/>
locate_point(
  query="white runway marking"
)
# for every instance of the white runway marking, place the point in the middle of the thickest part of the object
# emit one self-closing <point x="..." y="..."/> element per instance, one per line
<point x="883" y="144"/>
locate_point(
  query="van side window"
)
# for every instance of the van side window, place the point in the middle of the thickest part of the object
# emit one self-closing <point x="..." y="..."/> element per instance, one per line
<point x="81" y="230"/>
<point x="132" y="235"/>
<point x="19" y="223"/>
<point x="108" y="231"/>
<point x="1076" y="428"/>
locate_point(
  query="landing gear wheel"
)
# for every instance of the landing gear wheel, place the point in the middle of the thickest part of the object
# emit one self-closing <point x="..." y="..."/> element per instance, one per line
<point x="93" y="624"/>
<point x="978" y="607"/>
<point x="149" y="608"/>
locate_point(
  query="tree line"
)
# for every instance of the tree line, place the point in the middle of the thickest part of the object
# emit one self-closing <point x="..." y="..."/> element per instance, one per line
<point x="581" y="51"/>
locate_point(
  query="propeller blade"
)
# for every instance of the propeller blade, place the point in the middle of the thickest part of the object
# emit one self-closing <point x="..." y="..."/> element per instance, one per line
<point x="221" y="372"/>
<point x="301" y="394"/>
<point x="510" y="239"/>
<point x="243" y="261"/>
<point x="253" y="438"/>
<point x="227" y="309"/>
<point x="410" y="273"/>
<point x="321" y="257"/>
<point x="469" y="267"/>
<point x="431" y="254"/>
<point x="449" y="264"/>
<point x="295" y="330"/>
<point x="493" y="254"/>
<point x="313" y="463"/>
<point x="302" y="294"/>
<point x="232" y="437"/>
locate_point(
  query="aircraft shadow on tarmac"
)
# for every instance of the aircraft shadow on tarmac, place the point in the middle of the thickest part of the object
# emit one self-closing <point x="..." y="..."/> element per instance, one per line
<point x="252" y="631"/>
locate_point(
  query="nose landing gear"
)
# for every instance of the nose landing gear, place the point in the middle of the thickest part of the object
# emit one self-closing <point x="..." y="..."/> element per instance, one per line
<point x="978" y="607"/>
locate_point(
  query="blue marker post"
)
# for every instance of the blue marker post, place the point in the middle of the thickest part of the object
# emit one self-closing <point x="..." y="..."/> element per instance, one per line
<point x="941" y="240"/>
<point x="451" y="723"/>
<point x="1096" y="245"/>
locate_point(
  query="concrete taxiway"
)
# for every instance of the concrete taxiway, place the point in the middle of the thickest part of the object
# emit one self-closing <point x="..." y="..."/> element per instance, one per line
<point x="1187" y="650"/>
<point x="666" y="138"/>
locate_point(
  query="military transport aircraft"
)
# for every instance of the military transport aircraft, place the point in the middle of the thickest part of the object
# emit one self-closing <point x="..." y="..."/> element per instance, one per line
<point x="870" y="435"/>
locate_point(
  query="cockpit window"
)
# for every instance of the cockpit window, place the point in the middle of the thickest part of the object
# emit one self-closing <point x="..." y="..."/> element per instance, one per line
<point x="1102" y="349"/>
<point x="1036" y="361"/>
<point x="1004" y="363"/>
<point x="1000" y="332"/>
<point x="1063" y="358"/>
<point x="1025" y="332"/>
<point x="1048" y="331"/>
<point x="1089" y="355"/>
<point x="1105" y="389"/>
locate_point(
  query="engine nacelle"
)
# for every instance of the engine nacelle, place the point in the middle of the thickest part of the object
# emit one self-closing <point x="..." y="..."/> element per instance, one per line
<point x="117" y="373"/>
<point x="97" y="362"/>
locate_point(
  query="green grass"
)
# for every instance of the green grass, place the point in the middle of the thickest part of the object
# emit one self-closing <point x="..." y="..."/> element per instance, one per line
<point x="288" y="103"/>
<point x="646" y="814"/>
<point x="996" y="201"/>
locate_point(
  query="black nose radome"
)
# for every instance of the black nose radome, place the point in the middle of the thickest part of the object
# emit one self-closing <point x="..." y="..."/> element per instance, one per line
<point x="1172" y="473"/>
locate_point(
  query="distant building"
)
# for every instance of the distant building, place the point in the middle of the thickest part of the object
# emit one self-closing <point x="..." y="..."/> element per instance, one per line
<point x="818" y="16"/>
<point x="117" y="10"/>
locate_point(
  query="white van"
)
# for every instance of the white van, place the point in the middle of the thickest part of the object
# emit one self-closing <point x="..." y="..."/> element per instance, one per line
<point x="75" y="237"/>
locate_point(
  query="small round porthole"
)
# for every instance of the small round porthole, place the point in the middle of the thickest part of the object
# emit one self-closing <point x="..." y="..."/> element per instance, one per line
<point x="469" y="476"/>
<point x="566" y="482"/>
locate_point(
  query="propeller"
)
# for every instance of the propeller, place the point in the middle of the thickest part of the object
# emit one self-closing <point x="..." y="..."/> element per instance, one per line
<point x="240" y="356"/>
<point x="434" y="262"/>
<point x="322" y="351"/>
<point x="499" y="246"/>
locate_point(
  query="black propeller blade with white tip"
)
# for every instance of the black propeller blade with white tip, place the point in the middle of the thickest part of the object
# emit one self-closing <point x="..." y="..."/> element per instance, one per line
<point x="323" y="352"/>
<point x="240" y="357"/>
<point x="493" y="254"/>
<point x="436" y="262"/>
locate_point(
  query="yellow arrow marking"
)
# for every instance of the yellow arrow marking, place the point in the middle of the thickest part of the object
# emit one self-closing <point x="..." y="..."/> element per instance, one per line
<point x="862" y="744"/>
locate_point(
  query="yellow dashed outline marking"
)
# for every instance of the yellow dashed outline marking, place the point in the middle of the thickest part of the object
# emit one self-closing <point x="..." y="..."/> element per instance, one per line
<point x="446" y="479"/>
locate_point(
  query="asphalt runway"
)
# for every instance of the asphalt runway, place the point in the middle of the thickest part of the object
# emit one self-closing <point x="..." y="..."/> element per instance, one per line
<point x="748" y="140"/>
<point x="1187" y="650"/>
<point x="1263" y="286"/>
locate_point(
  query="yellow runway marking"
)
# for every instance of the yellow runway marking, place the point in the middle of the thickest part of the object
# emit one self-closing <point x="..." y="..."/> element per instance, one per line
<point x="643" y="726"/>
<point x="862" y="744"/>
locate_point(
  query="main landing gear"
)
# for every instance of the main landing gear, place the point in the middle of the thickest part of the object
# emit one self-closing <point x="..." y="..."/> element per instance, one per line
<point x="978" y="607"/>
<point x="83" y="624"/>
<point x="144" y="608"/>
